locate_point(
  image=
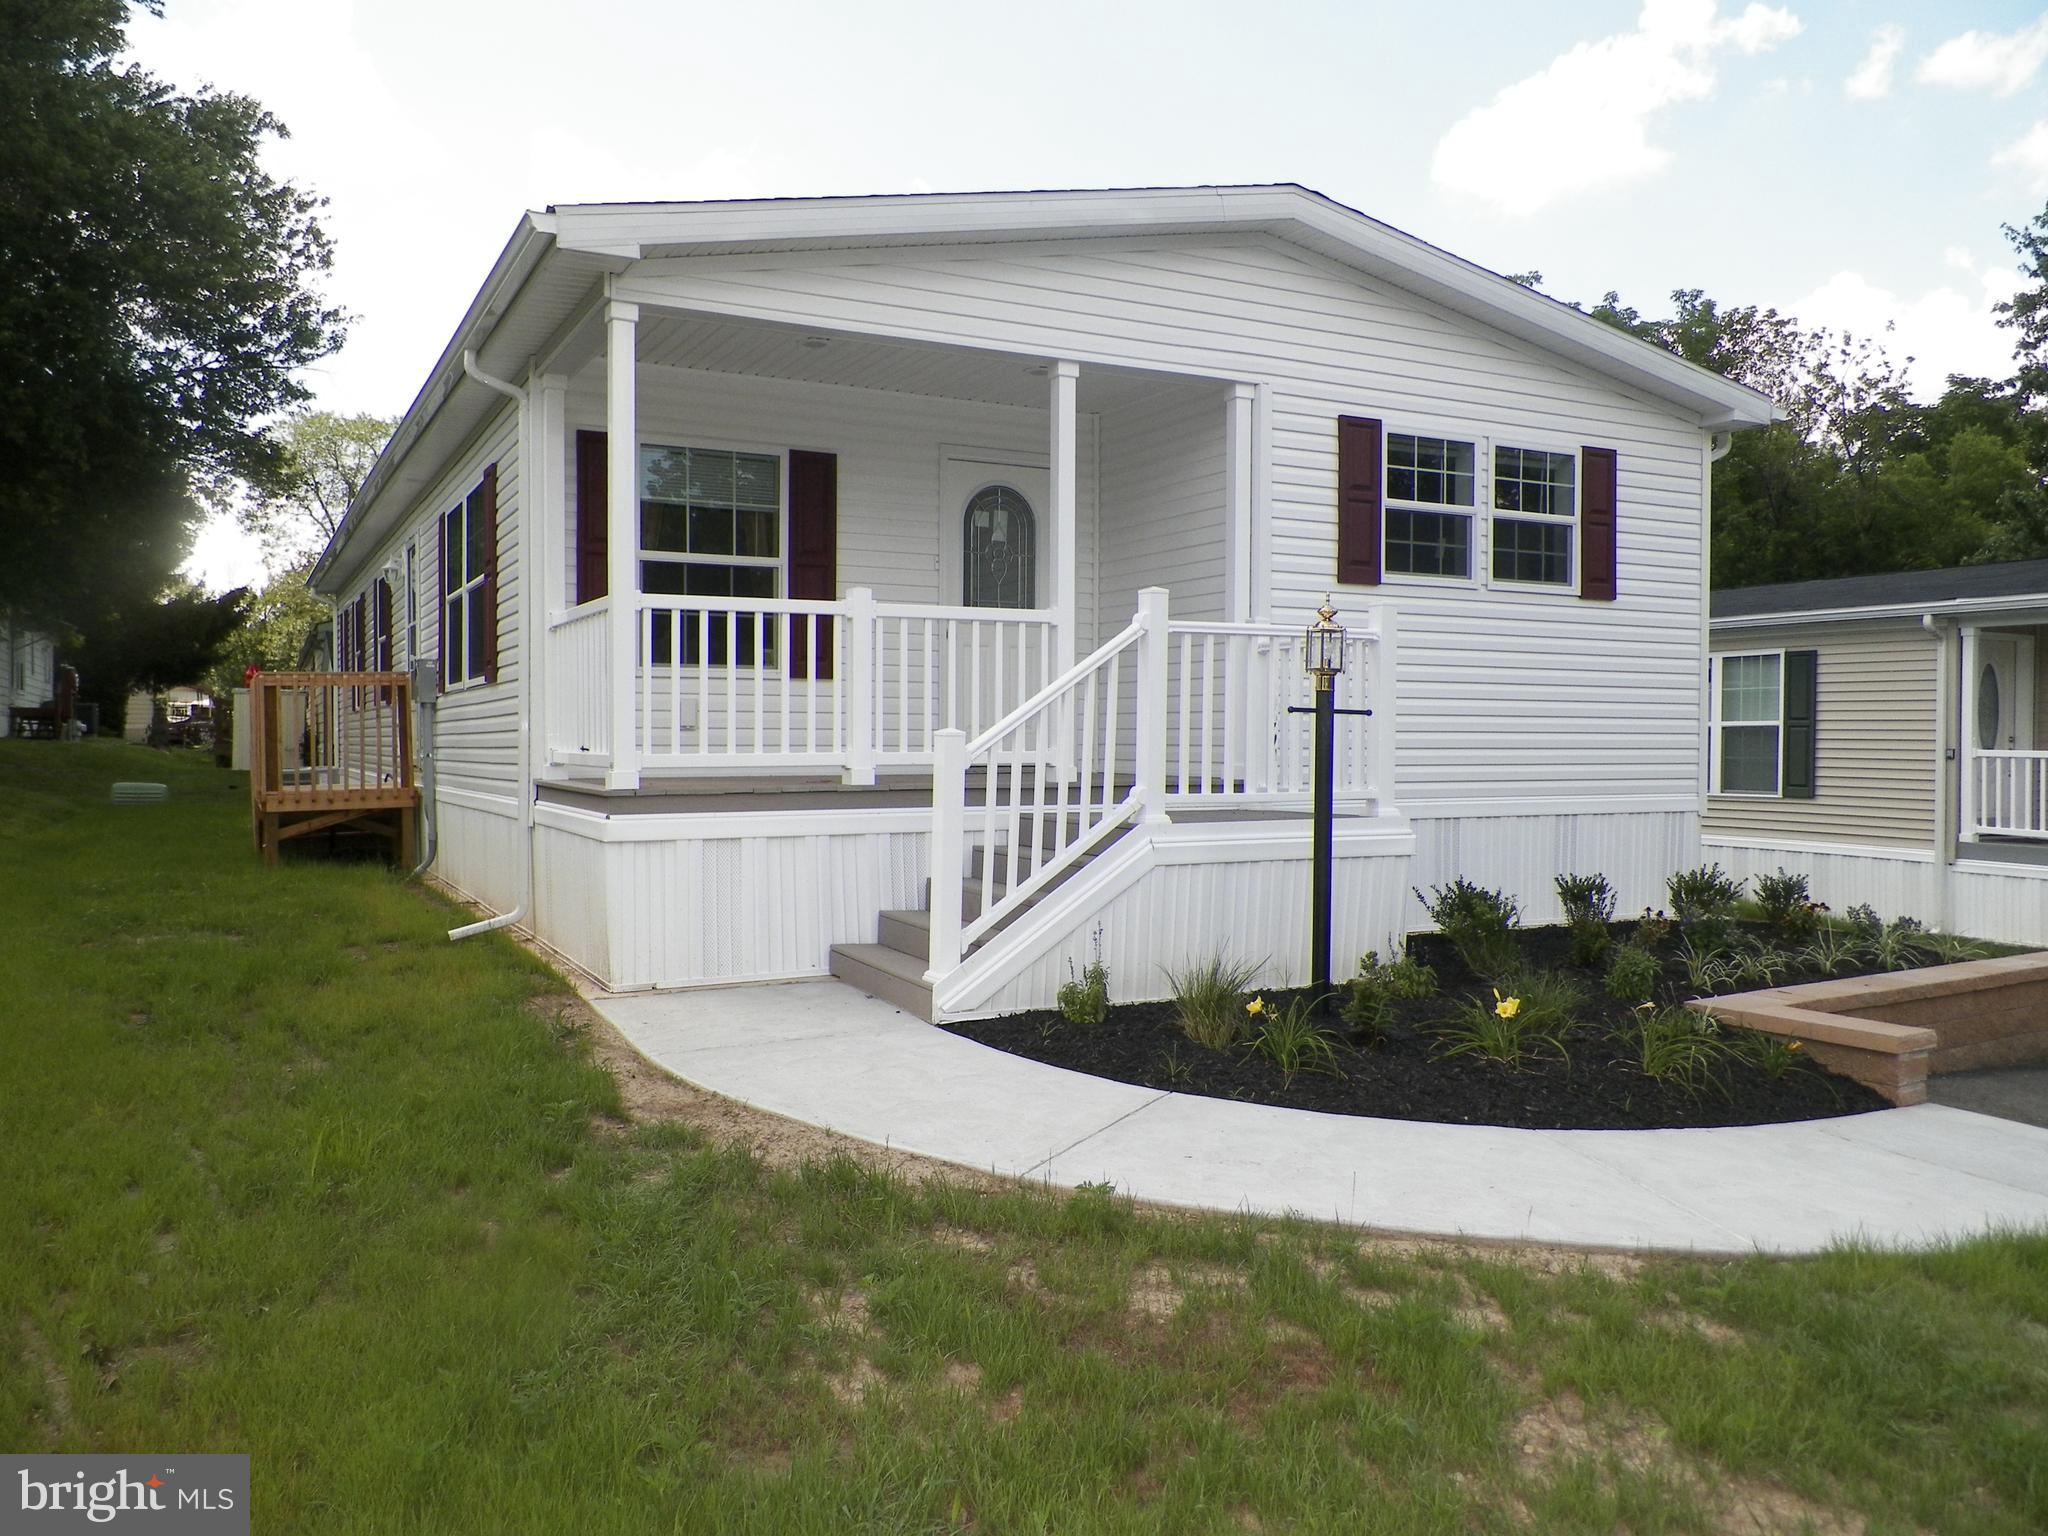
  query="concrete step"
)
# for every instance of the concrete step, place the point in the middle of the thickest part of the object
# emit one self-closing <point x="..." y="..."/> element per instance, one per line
<point x="886" y="973"/>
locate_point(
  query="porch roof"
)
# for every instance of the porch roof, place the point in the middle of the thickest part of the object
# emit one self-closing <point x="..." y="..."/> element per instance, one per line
<point x="544" y="281"/>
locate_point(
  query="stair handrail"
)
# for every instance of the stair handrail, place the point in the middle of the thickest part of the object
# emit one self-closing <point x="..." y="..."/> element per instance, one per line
<point x="1083" y="759"/>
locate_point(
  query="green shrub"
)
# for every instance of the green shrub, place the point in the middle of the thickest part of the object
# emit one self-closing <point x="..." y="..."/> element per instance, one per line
<point x="1653" y="930"/>
<point x="1632" y="974"/>
<point x="1084" y="999"/>
<point x="1497" y="1030"/>
<point x="1479" y="924"/>
<point x="1293" y="1041"/>
<point x="1370" y="995"/>
<point x="1679" y="1045"/>
<point x="1550" y="1001"/>
<point x="1588" y="902"/>
<point x="1210" y="997"/>
<point x="1704" y="893"/>
<point x="1787" y="904"/>
<point x="1899" y="945"/>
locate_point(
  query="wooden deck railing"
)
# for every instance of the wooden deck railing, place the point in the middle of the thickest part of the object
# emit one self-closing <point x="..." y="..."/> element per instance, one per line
<point x="327" y="748"/>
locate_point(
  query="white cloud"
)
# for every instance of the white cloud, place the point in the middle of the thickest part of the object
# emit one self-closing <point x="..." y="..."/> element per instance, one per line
<point x="1872" y="79"/>
<point x="2000" y="62"/>
<point x="1583" y="122"/>
<point x="2028" y="154"/>
<point x="1947" y="329"/>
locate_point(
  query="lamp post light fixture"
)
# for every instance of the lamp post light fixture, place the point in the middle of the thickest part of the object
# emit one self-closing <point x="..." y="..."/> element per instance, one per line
<point x="1322" y="658"/>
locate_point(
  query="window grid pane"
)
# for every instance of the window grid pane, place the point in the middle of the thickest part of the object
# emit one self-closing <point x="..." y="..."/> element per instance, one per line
<point x="1435" y="470"/>
<point x="1749" y="760"/>
<point x="1429" y="543"/>
<point x="1749" y="689"/>
<point x="723" y="510"/>
<point x="1526" y="551"/>
<point x="1534" y="480"/>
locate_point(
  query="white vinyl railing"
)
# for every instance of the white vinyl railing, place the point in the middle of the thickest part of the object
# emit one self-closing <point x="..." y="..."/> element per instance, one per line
<point x="1047" y="789"/>
<point x="951" y="668"/>
<point x="2008" y="795"/>
<point x="741" y="682"/>
<point x="1231" y="739"/>
<point x="579" y="705"/>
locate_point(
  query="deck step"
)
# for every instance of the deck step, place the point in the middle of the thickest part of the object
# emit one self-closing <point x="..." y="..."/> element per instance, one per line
<point x="886" y="973"/>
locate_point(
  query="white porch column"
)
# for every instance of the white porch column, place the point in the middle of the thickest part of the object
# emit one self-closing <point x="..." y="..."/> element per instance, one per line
<point x="1150" y="756"/>
<point x="1238" y="459"/>
<point x="1966" y="737"/>
<point x="1066" y="523"/>
<point x="551" y="472"/>
<point x="622" y="532"/>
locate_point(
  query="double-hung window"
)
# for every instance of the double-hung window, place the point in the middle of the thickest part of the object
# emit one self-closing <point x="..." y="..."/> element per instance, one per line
<point x="1535" y="515"/>
<point x="711" y="526"/>
<point x="465" y="536"/>
<point x="1748" y="719"/>
<point x="1431" y="493"/>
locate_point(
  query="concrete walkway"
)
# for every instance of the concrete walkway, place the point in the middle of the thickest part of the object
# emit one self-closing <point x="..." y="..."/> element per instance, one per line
<point x="824" y="1053"/>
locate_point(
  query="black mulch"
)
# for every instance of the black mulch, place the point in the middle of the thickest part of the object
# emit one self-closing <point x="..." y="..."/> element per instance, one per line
<point x="1592" y="1085"/>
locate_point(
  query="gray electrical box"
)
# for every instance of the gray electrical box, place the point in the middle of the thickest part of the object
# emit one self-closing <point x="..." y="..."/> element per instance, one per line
<point x="426" y="679"/>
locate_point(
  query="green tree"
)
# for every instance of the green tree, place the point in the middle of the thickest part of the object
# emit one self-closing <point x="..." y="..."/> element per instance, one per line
<point x="156" y="296"/>
<point x="272" y="632"/>
<point x="169" y="641"/>
<point x="321" y="461"/>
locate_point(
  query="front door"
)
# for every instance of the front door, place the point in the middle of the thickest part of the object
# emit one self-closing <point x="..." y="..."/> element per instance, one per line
<point x="2003" y="702"/>
<point x="993" y="533"/>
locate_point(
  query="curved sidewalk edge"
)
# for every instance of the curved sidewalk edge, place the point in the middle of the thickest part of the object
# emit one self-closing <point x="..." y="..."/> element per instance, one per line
<point x="821" y="1052"/>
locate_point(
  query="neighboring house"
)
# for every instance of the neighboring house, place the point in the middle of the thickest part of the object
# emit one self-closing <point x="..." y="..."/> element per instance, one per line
<point x="719" y="518"/>
<point x="28" y="670"/>
<point x="1887" y="736"/>
<point x="180" y="704"/>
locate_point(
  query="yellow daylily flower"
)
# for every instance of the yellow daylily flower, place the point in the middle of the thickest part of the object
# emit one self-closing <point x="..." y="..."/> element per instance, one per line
<point x="1256" y="1006"/>
<point x="1506" y="1007"/>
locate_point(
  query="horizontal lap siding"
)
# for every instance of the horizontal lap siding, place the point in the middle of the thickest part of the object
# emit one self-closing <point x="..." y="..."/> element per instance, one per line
<point x="476" y="726"/>
<point x="1505" y="696"/>
<point x="1874" y="771"/>
<point x="889" y="447"/>
<point x="1163" y="495"/>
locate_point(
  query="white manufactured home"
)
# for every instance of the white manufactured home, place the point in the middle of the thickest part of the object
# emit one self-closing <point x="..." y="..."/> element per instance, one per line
<point x="1887" y="737"/>
<point x="913" y="588"/>
<point x="28" y="672"/>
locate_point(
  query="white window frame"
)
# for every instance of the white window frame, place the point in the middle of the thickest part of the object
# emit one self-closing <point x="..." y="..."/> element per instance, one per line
<point x="1536" y="443"/>
<point x="1476" y="563"/>
<point x="412" y="601"/>
<point x="1716" y="671"/>
<point x="779" y="562"/>
<point x="465" y="595"/>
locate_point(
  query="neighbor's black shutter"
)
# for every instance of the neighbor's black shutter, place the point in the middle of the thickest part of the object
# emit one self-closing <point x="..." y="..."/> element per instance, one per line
<point x="1359" y="485"/>
<point x="1796" y="776"/>
<point x="1597" y="525"/>
<point x="813" y="550"/>
<point x="485" y="506"/>
<point x="592" y="547"/>
<point x="382" y="624"/>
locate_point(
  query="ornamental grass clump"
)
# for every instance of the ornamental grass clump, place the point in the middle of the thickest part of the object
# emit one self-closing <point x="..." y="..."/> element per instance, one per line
<point x="1084" y="999"/>
<point x="1549" y="1001"/>
<point x="1369" y="997"/>
<point x="1209" y="996"/>
<point x="1679" y="1046"/>
<point x="1497" y="1031"/>
<point x="1479" y="923"/>
<point x="1705" y="894"/>
<point x="1292" y="1040"/>
<point x="1774" y="1055"/>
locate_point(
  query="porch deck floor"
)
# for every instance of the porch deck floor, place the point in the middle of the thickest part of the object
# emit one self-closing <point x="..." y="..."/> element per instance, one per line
<point x="821" y="1052"/>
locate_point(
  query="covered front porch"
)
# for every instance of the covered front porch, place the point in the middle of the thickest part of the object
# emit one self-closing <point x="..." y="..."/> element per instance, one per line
<point x="2003" y="776"/>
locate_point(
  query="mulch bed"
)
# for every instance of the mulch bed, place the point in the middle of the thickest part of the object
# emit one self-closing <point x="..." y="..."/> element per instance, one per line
<point x="1406" y="1076"/>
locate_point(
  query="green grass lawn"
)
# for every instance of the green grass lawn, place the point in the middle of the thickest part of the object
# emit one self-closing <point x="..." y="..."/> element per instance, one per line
<point x="283" y="1171"/>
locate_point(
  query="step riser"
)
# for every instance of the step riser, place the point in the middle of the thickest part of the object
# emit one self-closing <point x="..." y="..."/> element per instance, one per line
<point x="899" y="933"/>
<point x="913" y="997"/>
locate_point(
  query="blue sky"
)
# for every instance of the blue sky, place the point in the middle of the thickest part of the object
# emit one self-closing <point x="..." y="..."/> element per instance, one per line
<point x="1849" y="163"/>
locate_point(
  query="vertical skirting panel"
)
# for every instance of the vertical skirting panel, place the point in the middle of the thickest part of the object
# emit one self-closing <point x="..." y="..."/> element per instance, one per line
<point x="1523" y="855"/>
<point x="477" y="852"/>
<point x="1895" y="886"/>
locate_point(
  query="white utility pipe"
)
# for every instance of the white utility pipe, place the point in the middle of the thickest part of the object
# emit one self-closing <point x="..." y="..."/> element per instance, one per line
<point x="528" y="668"/>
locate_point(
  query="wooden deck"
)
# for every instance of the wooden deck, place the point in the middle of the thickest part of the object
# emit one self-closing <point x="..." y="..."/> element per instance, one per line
<point x="330" y="750"/>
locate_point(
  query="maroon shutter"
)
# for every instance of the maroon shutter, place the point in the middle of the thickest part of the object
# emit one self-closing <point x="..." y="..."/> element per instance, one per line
<point x="1596" y="525"/>
<point x="1359" y="484"/>
<point x="813" y="551"/>
<point x="359" y="636"/>
<point x="441" y="621"/>
<point x="484" y="506"/>
<point x="592" y="575"/>
<point x="382" y="609"/>
<point x="344" y="647"/>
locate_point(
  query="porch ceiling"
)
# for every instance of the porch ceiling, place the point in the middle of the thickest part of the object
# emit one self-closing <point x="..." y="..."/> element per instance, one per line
<point x="673" y="340"/>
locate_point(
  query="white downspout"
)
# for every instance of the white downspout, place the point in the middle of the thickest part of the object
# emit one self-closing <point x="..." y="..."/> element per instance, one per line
<point x="529" y="668"/>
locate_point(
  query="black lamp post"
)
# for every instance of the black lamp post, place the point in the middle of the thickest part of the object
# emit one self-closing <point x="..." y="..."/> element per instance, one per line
<point x="1322" y="658"/>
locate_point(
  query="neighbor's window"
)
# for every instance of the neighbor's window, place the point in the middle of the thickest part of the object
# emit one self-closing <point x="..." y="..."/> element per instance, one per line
<point x="1430" y="496"/>
<point x="463" y="540"/>
<point x="710" y="526"/>
<point x="1541" y="489"/>
<point x="1748" y="720"/>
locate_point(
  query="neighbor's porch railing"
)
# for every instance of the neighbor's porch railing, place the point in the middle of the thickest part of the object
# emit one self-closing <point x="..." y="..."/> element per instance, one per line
<point x="2008" y="795"/>
<point x="783" y="683"/>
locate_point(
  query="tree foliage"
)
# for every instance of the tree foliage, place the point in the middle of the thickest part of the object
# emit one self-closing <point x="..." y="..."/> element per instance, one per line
<point x="169" y="641"/>
<point x="272" y="632"/>
<point x="155" y="298"/>
<point x="321" y="461"/>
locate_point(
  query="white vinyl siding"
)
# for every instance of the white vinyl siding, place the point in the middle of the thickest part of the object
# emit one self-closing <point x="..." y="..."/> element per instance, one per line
<point x="1163" y="498"/>
<point x="1507" y="694"/>
<point x="1874" y="770"/>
